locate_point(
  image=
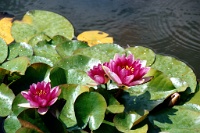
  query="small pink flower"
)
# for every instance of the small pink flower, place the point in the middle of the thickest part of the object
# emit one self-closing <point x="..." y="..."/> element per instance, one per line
<point x="40" y="96"/>
<point x="98" y="75"/>
<point x="126" y="70"/>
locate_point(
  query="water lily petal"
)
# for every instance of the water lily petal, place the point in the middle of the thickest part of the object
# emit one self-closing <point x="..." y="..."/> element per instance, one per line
<point x="137" y="82"/>
<point x="26" y="105"/>
<point x="113" y="76"/>
<point x="42" y="111"/>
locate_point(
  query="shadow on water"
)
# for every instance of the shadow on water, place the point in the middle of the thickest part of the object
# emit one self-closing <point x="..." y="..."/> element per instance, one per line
<point x="169" y="27"/>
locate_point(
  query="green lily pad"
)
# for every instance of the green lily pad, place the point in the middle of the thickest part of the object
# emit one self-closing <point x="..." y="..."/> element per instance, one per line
<point x="179" y="119"/>
<point x="39" y="59"/>
<point x="103" y="52"/>
<point x="18" y="65"/>
<point x="6" y="99"/>
<point x="72" y="76"/>
<point x="125" y="121"/>
<point x="142" y="53"/>
<point x="175" y="68"/>
<point x="67" y="48"/>
<point x="11" y="124"/>
<point x="16" y="110"/>
<point x="3" y="51"/>
<point x="90" y="107"/>
<point x="46" y="50"/>
<point x="34" y="73"/>
<point x="79" y="62"/>
<point x="39" y="22"/>
<point x="70" y="93"/>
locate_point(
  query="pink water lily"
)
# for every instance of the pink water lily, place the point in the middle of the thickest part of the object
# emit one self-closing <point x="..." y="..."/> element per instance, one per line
<point x="40" y="96"/>
<point x="126" y="71"/>
<point x="98" y="75"/>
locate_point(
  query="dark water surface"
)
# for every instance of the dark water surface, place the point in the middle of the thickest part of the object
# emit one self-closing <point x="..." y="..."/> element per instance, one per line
<point x="170" y="27"/>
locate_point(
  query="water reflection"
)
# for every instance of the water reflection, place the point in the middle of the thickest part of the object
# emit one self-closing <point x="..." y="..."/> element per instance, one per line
<point x="169" y="27"/>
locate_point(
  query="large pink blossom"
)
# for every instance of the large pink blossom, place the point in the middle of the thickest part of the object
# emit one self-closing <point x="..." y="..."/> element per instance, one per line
<point x="126" y="71"/>
<point x="98" y="75"/>
<point x="40" y="96"/>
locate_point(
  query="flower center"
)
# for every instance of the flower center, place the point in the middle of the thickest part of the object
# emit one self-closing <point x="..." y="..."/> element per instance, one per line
<point x="130" y="68"/>
<point x="40" y="92"/>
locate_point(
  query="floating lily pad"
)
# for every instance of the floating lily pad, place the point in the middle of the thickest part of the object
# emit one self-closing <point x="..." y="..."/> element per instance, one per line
<point x="67" y="48"/>
<point x="79" y="62"/>
<point x="90" y="108"/>
<point x="103" y="52"/>
<point x="3" y="51"/>
<point x="179" y="119"/>
<point x="6" y="99"/>
<point x="175" y="68"/>
<point x="18" y="65"/>
<point x="37" y="21"/>
<point x="142" y="53"/>
<point x="11" y="124"/>
<point x="70" y="92"/>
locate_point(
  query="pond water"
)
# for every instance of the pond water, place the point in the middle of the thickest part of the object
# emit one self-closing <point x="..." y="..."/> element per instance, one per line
<point x="169" y="27"/>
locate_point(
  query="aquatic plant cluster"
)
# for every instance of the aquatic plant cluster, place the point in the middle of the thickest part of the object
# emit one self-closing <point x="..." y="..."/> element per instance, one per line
<point x="51" y="82"/>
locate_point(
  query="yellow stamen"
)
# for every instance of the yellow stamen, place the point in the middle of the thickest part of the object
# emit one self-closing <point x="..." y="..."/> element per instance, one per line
<point x="128" y="68"/>
<point x="40" y="92"/>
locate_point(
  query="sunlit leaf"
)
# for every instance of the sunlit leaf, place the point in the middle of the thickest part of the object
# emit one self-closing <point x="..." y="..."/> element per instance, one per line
<point x="179" y="119"/>
<point x="67" y="48"/>
<point x="5" y="29"/>
<point x="142" y="53"/>
<point x="95" y="37"/>
<point x="11" y="124"/>
<point x="46" y="50"/>
<point x="70" y="93"/>
<point x="18" y="65"/>
<point x="6" y="99"/>
<point x="3" y="51"/>
<point x="78" y="62"/>
<point x="38" y="22"/>
<point x="103" y="52"/>
<point x="90" y="108"/>
<point x="175" y="68"/>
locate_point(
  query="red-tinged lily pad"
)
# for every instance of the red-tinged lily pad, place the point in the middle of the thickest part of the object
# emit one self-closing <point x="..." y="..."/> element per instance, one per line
<point x="90" y="108"/>
<point x="39" y="22"/>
